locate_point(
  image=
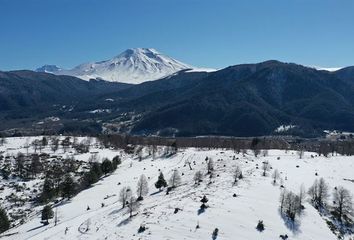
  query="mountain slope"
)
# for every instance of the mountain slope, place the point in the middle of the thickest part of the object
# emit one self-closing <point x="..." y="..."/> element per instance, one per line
<point x="132" y="66"/>
<point x="240" y="100"/>
<point x="21" y="89"/>
<point x="254" y="99"/>
<point x="235" y="216"/>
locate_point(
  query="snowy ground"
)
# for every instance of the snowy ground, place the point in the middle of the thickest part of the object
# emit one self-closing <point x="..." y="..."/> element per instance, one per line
<point x="235" y="217"/>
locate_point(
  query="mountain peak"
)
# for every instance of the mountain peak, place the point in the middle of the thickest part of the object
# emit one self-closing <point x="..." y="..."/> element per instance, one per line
<point x="134" y="65"/>
<point x="48" y="69"/>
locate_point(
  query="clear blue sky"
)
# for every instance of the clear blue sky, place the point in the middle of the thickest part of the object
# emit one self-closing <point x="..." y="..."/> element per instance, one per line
<point x="206" y="33"/>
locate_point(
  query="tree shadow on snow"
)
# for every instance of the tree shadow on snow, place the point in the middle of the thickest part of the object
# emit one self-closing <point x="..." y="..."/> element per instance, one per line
<point x="116" y="211"/>
<point x="293" y="226"/>
<point x="157" y="192"/>
<point x="35" y="228"/>
<point x="124" y="222"/>
<point x="200" y="211"/>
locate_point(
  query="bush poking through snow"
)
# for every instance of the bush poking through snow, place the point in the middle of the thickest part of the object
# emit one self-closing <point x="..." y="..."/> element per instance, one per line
<point x="215" y="233"/>
<point x="142" y="228"/>
<point x="260" y="226"/>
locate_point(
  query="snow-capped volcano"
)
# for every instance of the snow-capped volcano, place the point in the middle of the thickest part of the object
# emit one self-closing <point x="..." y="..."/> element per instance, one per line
<point x="132" y="66"/>
<point x="48" y="69"/>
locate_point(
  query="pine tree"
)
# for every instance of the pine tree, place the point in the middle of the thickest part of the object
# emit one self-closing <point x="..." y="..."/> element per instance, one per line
<point x="116" y="161"/>
<point x="106" y="166"/>
<point x="204" y="199"/>
<point x="96" y="168"/>
<point x="68" y="186"/>
<point x="161" y="182"/>
<point x="48" y="191"/>
<point x="4" y="221"/>
<point x="88" y="179"/>
<point x="47" y="213"/>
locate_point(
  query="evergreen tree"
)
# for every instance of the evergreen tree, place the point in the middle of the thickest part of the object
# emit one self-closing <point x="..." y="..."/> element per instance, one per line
<point x="106" y="166"/>
<point x="68" y="186"/>
<point x="88" y="179"/>
<point x="4" y="221"/>
<point x="44" y="141"/>
<point x="96" y="168"/>
<point x="161" y="182"/>
<point x="116" y="161"/>
<point x="48" y="191"/>
<point x="204" y="199"/>
<point x="47" y="213"/>
<point x="35" y="164"/>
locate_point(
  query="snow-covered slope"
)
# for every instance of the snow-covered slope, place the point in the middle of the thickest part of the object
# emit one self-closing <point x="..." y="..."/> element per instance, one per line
<point x="235" y="217"/>
<point x="132" y="66"/>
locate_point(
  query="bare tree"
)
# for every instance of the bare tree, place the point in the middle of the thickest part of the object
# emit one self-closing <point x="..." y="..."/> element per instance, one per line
<point x="124" y="195"/>
<point x="322" y="192"/>
<point x="2" y="140"/>
<point x="35" y="145"/>
<point x="188" y="162"/>
<point x="302" y="195"/>
<point x="175" y="179"/>
<point x="301" y="153"/>
<point x="198" y="177"/>
<point x="282" y="199"/>
<point x="65" y="143"/>
<point x="142" y="188"/>
<point x="290" y="205"/>
<point x="265" y="167"/>
<point x="264" y="152"/>
<point x="54" y="144"/>
<point x="154" y="150"/>
<point x="139" y="152"/>
<point x="210" y="165"/>
<point x="237" y="174"/>
<point x="27" y="146"/>
<point x="132" y="205"/>
<point x="319" y="193"/>
<point x="275" y="176"/>
<point x="20" y="162"/>
<point x="256" y="152"/>
<point x="343" y="203"/>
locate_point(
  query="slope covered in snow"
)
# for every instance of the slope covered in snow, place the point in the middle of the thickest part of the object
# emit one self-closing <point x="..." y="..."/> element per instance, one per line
<point x="235" y="217"/>
<point x="132" y="66"/>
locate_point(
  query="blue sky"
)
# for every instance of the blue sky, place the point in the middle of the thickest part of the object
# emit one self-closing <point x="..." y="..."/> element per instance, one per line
<point x="205" y="33"/>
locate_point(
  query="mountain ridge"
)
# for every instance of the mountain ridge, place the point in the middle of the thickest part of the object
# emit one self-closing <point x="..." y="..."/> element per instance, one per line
<point x="240" y="100"/>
